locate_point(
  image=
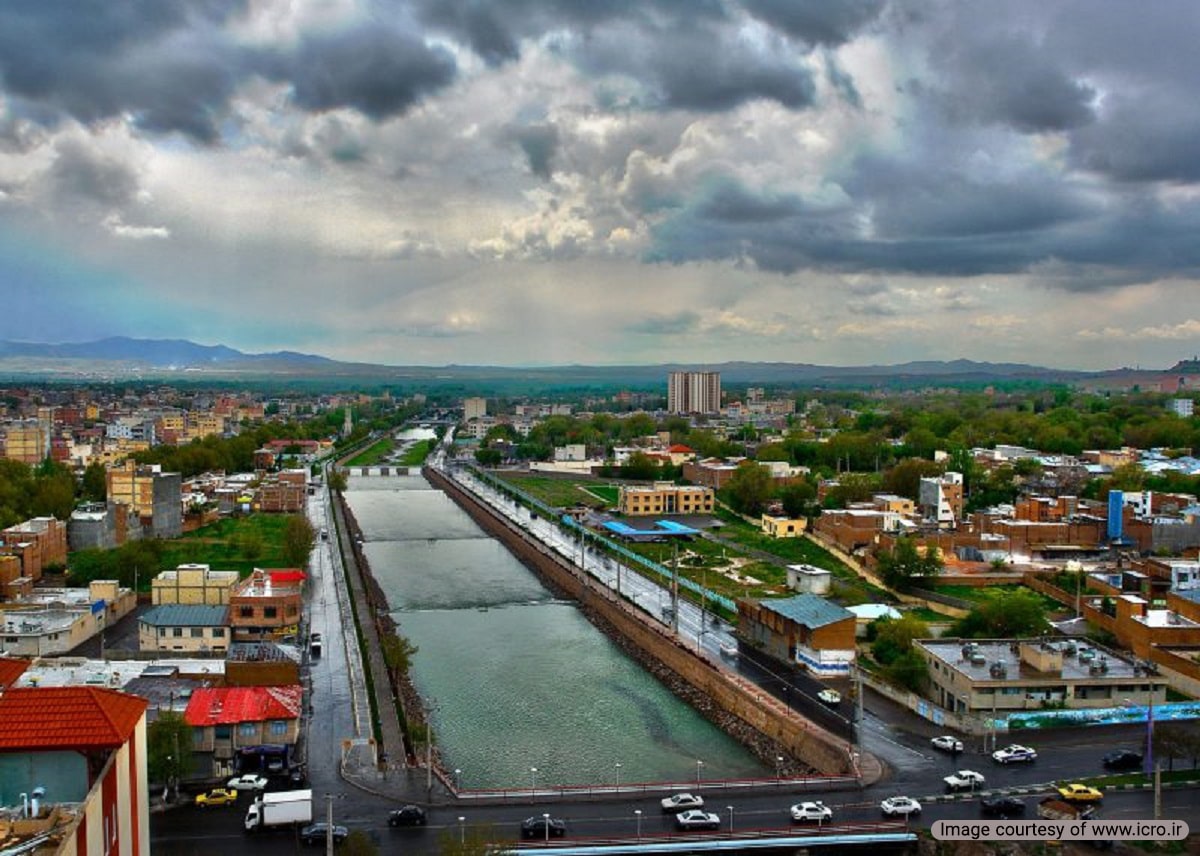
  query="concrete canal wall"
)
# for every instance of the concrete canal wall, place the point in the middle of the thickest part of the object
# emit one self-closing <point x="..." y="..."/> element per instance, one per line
<point x="748" y="713"/>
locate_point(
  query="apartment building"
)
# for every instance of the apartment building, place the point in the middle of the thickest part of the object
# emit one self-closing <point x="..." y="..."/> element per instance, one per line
<point x="38" y="543"/>
<point x="193" y="584"/>
<point x="665" y="498"/>
<point x="156" y="497"/>
<point x="183" y="628"/>
<point x="1002" y="675"/>
<point x="27" y="441"/>
<point x="474" y="408"/>
<point x="264" y="606"/>
<point x="694" y="392"/>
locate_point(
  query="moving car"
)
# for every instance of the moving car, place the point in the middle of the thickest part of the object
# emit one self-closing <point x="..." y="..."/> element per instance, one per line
<point x="247" y="782"/>
<point x="947" y="743"/>
<point x="407" y="815"/>
<point x="905" y="806"/>
<point x="811" y="811"/>
<point x="1123" y="759"/>
<point x="316" y="833"/>
<point x="217" y="796"/>
<point x="543" y="827"/>
<point x="697" y="819"/>
<point x="963" y="780"/>
<point x="681" y="802"/>
<point x="1080" y="793"/>
<point x="830" y="697"/>
<point x="1014" y="754"/>
<point x="1001" y="806"/>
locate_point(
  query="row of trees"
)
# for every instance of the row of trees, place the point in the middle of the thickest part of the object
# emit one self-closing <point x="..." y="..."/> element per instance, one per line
<point x="48" y="489"/>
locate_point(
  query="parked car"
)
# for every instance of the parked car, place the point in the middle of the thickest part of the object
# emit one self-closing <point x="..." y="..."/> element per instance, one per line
<point x="963" y="780"/>
<point x="697" y="819"/>
<point x="316" y="833"/>
<point x="407" y="815"/>
<point x="1014" y="754"/>
<point x="682" y="802"/>
<point x="1001" y="806"/>
<point x="904" y="806"/>
<point x="542" y="827"/>
<point x="1123" y="759"/>
<point x="830" y="697"/>
<point x="248" y="782"/>
<point x="811" y="811"/>
<point x="217" y="796"/>
<point x="1080" y="793"/>
<point x="947" y="743"/>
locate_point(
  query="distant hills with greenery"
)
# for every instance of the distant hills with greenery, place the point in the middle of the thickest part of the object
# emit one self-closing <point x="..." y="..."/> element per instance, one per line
<point x="123" y="359"/>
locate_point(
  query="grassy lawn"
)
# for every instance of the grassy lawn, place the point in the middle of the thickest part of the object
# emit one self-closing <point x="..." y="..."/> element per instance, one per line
<point x="416" y="454"/>
<point x="232" y="544"/>
<point x="373" y="454"/>
<point x="1139" y="778"/>
<point x="928" y="615"/>
<point x="609" y="493"/>
<point x="710" y="564"/>
<point x="556" y="492"/>
<point x="978" y="594"/>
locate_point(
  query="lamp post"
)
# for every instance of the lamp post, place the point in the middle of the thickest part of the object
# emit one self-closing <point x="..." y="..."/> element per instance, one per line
<point x="778" y="768"/>
<point x="730" y="818"/>
<point x="637" y="812"/>
<point x="533" y="783"/>
<point x="699" y="767"/>
<point x="462" y="830"/>
<point x="457" y="779"/>
<point x="546" y="824"/>
<point x="617" y="767"/>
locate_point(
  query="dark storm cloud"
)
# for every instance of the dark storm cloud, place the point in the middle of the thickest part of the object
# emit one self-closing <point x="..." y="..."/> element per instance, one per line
<point x="539" y="142"/>
<point x="1154" y="136"/>
<point x="156" y="59"/>
<point x="80" y="174"/>
<point x="170" y="65"/>
<point x="375" y="69"/>
<point x="831" y="23"/>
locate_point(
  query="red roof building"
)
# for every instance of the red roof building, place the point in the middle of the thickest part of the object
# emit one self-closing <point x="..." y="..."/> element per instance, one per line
<point x="88" y="745"/>
<point x="286" y="576"/>
<point x="10" y="670"/>
<point x="230" y="722"/>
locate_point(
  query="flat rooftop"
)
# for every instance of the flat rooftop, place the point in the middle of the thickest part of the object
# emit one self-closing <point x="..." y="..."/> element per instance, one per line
<point x="989" y="651"/>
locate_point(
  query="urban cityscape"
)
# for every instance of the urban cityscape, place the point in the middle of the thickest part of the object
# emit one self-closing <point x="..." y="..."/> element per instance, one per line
<point x="477" y="428"/>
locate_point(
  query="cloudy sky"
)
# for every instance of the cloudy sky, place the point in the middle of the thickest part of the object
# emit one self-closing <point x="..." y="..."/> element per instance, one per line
<point x="606" y="181"/>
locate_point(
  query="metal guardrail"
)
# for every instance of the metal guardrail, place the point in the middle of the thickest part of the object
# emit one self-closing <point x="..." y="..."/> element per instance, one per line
<point x="794" y="784"/>
<point x="567" y="522"/>
<point x="865" y="833"/>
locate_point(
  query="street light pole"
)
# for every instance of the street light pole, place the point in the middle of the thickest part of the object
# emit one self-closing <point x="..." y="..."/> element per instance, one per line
<point x="546" y="824"/>
<point x="457" y="779"/>
<point x="638" y="814"/>
<point x="730" y="818"/>
<point x="462" y="830"/>
<point x="618" y="769"/>
<point x="699" y="767"/>
<point x="533" y="783"/>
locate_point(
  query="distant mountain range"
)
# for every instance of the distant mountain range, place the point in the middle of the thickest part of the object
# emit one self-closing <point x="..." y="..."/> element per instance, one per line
<point x="123" y="357"/>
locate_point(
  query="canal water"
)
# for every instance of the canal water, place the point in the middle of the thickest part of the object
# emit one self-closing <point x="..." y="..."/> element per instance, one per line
<point x="518" y="680"/>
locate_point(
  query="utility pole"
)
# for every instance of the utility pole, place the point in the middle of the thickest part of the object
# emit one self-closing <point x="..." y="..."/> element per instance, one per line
<point x="328" y="824"/>
<point x="675" y="590"/>
<point x="1158" y="790"/>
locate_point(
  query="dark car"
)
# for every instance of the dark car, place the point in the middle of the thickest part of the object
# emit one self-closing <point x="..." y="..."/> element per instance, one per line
<point x="1123" y="759"/>
<point x="536" y="827"/>
<point x="407" y="815"/>
<point x="1001" y="806"/>
<point x="315" y="833"/>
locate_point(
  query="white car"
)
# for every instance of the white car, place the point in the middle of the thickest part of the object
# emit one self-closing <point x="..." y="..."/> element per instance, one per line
<point x="947" y="743"/>
<point x="247" y="782"/>
<point x="697" y="819"/>
<point x="681" y="802"/>
<point x="905" y="806"/>
<point x="817" y="811"/>
<point x="1014" y="754"/>
<point x="963" y="780"/>
<point x="830" y="697"/>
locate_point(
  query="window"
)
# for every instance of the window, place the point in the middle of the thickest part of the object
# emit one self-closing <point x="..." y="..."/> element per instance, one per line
<point x="176" y="631"/>
<point x="246" y="611"/>
<point x="218" y="632"/>
<point x="198" y="736"/>
<point x="270" y="612"/>
<point x="248" y="729"/>
<point x="197" y="632"/>
<point x="222" y="732"/>
<point x="279" y="728"/>
<point x="162" y="631"/>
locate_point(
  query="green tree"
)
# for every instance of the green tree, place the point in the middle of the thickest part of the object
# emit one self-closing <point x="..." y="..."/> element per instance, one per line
<point x="168" y="748"/>
<point x="908" y="670"/>
<point x="358" y="843"/>
<point x="94" y="486"/>
<point x="1004" y="615"/>
<point x="749" y="488"/>
<point x="904" y="479"/>
<point x="903" y="565"/>
<point x="488" y="457"/>
<point x="298" y="540"/>
<point x="337" y="480"/>
<point x="894" y="637"/>
<point x="640" y="466"/>
<point x="251" y="545"/>
<point x="799" y="499"/>
<point x="398" y="652"/>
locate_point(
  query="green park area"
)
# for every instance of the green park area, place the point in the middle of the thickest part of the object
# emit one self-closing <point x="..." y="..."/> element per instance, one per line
<point x="373" y="454"/>
<point x="416" y="454"/>
<point x="559" y="492"/>
<point x="979" y="594"/>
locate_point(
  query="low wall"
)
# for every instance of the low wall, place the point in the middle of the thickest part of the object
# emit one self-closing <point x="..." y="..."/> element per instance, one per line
<point x="922" y="707"/>
<point x="743" y="700"/>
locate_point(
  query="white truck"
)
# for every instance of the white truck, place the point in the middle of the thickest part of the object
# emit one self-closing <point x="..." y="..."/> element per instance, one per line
<point x="283" y="808"/>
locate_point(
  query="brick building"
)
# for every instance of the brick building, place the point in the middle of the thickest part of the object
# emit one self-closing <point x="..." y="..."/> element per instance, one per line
<point x="264" y="607"/>
<point x="806" y="630"/>
<point x="665" y="498"/>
